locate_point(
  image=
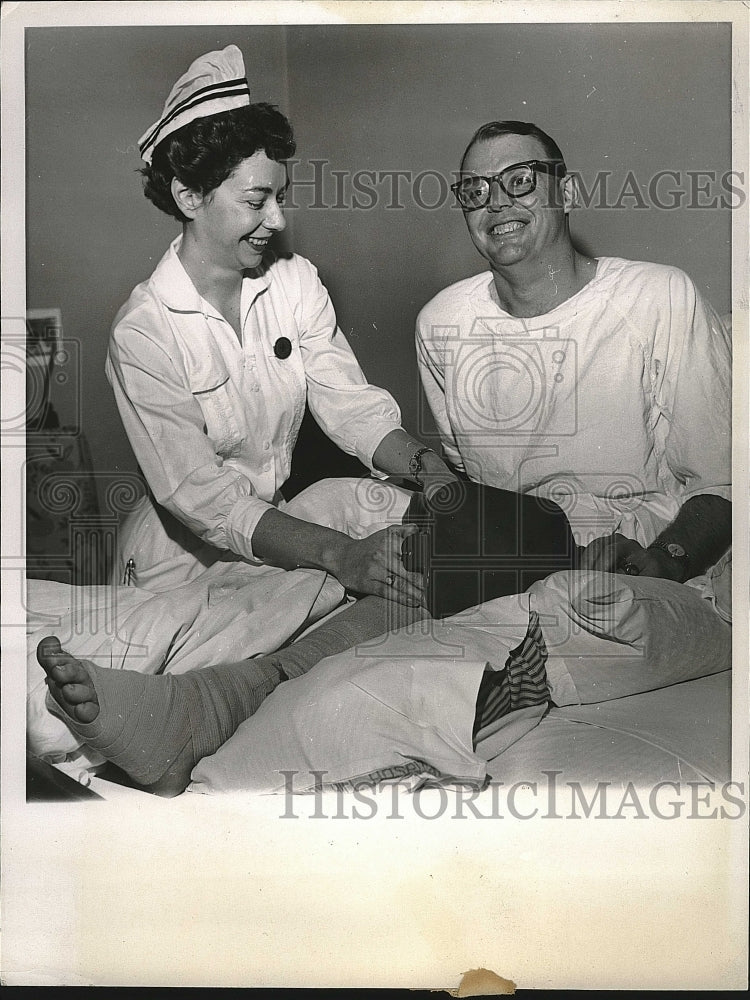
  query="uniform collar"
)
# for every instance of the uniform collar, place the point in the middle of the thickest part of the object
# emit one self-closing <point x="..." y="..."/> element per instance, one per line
<point x="173" y="286"/>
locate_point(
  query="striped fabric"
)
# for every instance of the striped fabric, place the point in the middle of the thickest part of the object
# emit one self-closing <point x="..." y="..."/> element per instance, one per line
<point x="522" y="683"/>
<point x="190" y="109"/>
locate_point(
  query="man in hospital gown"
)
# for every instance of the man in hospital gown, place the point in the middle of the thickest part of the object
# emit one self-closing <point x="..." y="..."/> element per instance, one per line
<point x="603" y="384"/>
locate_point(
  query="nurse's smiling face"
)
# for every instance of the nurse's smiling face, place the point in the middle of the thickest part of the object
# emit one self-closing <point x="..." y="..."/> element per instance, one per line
<point x="232" y="224"/>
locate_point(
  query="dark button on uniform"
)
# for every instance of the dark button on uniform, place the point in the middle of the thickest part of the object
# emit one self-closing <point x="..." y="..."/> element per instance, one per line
<point x="282" y="348"/>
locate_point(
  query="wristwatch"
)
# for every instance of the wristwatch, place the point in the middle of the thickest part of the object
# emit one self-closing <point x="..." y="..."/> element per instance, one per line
<point x="676" y="551"/>
<point x="415" y="462"/>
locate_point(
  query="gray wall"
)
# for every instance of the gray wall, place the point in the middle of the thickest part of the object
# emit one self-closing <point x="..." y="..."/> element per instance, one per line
<point x="620" y="98"/>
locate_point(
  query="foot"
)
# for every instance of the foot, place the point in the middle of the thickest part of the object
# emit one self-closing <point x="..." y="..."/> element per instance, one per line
<point x="69" y="680"/>
<point x="154" y="728"/>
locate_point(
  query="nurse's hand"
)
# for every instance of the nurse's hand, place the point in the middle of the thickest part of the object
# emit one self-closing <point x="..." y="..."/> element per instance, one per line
<point x="373" y="565"/>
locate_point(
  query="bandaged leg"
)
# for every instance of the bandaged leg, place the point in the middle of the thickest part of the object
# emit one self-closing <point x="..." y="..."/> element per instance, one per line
<point x="368" y="618"/>
<point x="156" y="728"/>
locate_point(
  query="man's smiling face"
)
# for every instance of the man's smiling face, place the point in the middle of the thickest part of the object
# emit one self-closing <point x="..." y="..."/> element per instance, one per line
<point x="511" y="230"/>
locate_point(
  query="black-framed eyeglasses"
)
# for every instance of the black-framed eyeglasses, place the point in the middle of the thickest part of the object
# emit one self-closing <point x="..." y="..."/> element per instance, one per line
<point x="517" y="180"/>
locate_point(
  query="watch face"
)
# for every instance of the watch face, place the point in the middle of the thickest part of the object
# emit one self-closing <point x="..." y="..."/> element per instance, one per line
<point x="676" y="551"/>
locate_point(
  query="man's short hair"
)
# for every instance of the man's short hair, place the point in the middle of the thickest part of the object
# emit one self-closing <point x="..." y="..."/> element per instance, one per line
<point x="493" y="130"/>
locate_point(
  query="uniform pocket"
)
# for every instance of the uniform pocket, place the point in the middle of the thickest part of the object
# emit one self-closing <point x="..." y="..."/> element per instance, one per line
<point x="219" y="403"/>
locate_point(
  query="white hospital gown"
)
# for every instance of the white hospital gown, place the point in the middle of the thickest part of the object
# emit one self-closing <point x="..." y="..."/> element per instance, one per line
<point x="213" y="422"/>
<point x="616" y="404"/>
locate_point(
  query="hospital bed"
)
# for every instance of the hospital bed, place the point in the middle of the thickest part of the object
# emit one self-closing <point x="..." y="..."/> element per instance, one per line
<point x="677" y="734"/>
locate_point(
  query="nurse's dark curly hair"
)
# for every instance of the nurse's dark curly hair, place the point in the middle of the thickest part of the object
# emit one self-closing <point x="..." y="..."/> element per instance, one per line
<point x="202" y="154"/>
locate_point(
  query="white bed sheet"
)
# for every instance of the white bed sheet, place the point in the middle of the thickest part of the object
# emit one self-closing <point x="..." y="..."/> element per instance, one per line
<point x="677" y="733"/>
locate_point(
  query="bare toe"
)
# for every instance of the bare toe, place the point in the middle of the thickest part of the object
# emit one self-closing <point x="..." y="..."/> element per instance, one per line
<point x="77" y="694"/>
<point x="48" y="650"/>
<point x="87" y="711"/>
<point x="68" y="672"/>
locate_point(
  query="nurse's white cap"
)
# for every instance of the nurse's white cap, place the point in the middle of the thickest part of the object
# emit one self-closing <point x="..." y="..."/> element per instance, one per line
<point x="215" y="82"/>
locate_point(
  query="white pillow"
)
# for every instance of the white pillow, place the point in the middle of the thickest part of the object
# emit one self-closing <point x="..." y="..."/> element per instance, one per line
<point x="609" y="635"/>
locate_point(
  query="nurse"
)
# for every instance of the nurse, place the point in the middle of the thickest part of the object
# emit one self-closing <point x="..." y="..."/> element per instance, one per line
<point x="213" y="359"/>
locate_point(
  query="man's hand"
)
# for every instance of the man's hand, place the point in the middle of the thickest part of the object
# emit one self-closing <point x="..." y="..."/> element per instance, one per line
<point x="617" y="554"/>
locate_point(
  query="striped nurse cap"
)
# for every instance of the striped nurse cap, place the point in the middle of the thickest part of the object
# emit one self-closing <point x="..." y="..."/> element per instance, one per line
<point x="214" y="83"/>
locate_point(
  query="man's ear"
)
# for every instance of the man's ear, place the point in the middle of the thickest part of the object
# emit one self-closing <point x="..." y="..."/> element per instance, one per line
<point x="570" y="193"/>
<point x="187" y="200"/>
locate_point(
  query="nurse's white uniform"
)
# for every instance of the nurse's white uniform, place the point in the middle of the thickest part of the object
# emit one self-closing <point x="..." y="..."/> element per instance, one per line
<point x="213" y="422"/>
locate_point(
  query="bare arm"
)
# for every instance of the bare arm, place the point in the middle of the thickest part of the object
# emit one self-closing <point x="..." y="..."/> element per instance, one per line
<point x="362" y="565"/>
<point x="395" y="452"/>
